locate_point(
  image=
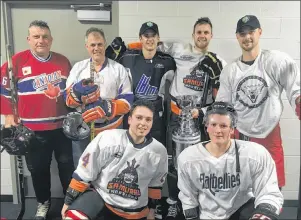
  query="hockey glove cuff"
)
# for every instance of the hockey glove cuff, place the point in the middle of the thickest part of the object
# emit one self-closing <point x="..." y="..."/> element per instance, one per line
<point x="191" y="214"/>
<point x="265" y="211"/>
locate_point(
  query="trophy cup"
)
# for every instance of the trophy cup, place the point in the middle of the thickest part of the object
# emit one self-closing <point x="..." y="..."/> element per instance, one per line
<point x="187" y="133"/>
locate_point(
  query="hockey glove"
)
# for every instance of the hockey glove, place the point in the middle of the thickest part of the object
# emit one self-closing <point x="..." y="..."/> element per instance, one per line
<point x="85" y="92"/>
<point x="99" y="109"/>
<point x="115" y="50"/>
<point x="213" y="66"/>
<point x="298" y="106"/>
<point x="265" y="211"/>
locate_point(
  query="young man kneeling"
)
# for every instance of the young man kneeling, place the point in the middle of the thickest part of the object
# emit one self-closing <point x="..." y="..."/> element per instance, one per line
<point x="127" y="169"/>
<point x="226" y="178"/>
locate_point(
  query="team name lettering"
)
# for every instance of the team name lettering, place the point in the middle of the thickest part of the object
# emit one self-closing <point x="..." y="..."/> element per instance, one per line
<point x="42" y="80"/>
<point x="214" y="183"/>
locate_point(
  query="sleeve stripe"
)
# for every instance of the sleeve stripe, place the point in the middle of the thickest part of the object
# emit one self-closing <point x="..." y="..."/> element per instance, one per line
<point x="78" y="185"/>
<point x="154" y="193"/>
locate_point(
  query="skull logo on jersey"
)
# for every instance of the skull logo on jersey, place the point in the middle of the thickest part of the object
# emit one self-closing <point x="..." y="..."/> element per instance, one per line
<point x="252" y="91"/>
<point x="126" y="183"/>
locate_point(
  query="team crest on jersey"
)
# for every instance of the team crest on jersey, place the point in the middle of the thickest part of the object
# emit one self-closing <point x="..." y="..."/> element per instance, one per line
<point x="216" y="184"/>
<point x="126" y="183"/>
<point x="144" y="89"/>
<point x="26" y="70"/>
<point x="42" y="81"/>
<point x="195" y="80"/>
<point x="252" y="91"/>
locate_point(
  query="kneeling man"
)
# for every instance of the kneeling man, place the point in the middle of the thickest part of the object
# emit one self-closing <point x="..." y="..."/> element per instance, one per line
<point x="121" y="172"/>
<point x="226" y="178"/>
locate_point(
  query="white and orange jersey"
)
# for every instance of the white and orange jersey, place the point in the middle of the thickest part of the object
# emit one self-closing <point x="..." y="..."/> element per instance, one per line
<point x="125" y="174"/>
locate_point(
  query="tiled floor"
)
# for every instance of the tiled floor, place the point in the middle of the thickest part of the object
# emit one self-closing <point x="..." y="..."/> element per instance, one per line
<point x="10" y="211"/>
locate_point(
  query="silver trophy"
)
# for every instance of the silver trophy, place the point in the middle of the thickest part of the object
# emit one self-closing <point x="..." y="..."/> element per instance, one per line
<point x="187" y="133"/>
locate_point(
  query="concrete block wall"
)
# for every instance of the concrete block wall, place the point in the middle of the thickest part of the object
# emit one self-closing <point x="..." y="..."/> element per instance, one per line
<point x="281" y="30"/>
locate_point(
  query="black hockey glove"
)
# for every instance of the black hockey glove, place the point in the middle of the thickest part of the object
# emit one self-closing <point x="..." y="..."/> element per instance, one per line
<point x="115" y="50"/>
<point x="265" y="211"/>
<point x="213" y="66"/>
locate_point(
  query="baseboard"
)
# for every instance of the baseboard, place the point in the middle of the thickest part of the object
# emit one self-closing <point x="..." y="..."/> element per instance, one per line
<point x="6" y="198"/>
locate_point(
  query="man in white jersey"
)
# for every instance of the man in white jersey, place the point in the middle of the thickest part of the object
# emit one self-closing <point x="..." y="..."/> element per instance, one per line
<point x="226" y="178"/>
<point x="127" y="169"/>
<point x="253" y="83"/>
<point x="193" y="62"/>
<point x="105" y="100"/>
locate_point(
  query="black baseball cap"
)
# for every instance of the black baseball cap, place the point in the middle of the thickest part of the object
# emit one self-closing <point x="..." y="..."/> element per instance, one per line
<point x="149" y="26"/>
<point x="247" y="23"/>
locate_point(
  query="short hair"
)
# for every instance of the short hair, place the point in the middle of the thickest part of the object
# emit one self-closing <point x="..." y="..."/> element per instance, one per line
<point x="39" y="23"/>
<point x="142" y="103"/>
<point x="202" y="20"/>
<point x="94" y="30"/>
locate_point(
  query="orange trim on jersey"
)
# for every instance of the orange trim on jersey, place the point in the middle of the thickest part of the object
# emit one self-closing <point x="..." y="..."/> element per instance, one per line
<point x="121" y="107"/>
<point x="78" y="185"/>
<point x="114" y="125"/>
<point x="154" y="193"/>
<point x="127" y="215"/>
<point x="174" y="108"/>
<point x="70" y="101"/>
<point x="135" y="46"/>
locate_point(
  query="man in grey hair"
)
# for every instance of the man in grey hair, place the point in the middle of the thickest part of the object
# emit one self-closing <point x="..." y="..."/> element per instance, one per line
<point x="41" y="77"/>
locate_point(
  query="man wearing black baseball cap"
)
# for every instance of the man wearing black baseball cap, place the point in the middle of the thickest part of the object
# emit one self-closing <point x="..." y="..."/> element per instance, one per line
<point x="253" y="83"/>
<point x="247" y="23"/>
<point x="151" y="72"/>
<point x="149" y="27"/>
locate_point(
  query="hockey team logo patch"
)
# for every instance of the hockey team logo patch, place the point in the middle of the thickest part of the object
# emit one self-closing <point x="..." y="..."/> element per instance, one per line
<point x="195" y="80"/>
<point x="126" y="183"/>
<point x="252" y="91"/>
<point x="144" y="89"/>
<point x="218" y="183"/>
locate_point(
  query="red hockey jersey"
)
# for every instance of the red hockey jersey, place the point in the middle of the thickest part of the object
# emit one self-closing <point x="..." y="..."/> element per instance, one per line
<point x="40" y="85"/>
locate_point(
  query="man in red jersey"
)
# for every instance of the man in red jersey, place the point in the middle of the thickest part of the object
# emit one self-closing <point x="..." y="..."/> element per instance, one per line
<point x="41" y="79"/>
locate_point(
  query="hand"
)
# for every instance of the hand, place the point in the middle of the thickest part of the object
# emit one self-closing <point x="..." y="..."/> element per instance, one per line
<point x="85" y="91"/>
<point x="10" y="121"/>
<point x="64" y="209"/>
<point x="298" y="106"/>
<point x="99" y="109"/>
<point x="151" y="214"/>
<point x="195" y="113"/>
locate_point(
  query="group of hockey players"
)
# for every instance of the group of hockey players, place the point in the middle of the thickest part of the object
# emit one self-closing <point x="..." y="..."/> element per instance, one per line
<point x="109" y="121"/>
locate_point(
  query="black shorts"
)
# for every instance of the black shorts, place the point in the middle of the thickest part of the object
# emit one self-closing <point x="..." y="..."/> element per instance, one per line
<point x="92" y="205"/>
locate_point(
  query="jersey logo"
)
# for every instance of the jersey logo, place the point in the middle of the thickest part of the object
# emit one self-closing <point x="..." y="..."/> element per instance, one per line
<point x="159" y="66"/>
<point x="144" y="89"/>
<point x="126" y="183"/>
<point x="52" y="91"/>
<point x="186" y="57"/>
<point x="252" y="91"/>
<point x="215" y="184"/>
<point x="26" y="70"/>
<point x="195" y="80"/>
<point x="41" y="82"/>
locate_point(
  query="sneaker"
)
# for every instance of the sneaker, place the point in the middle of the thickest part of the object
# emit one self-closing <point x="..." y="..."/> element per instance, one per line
<point x="173" y="210"/>
<point x="158" y="212"/>
<point x="42" y="210"/>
